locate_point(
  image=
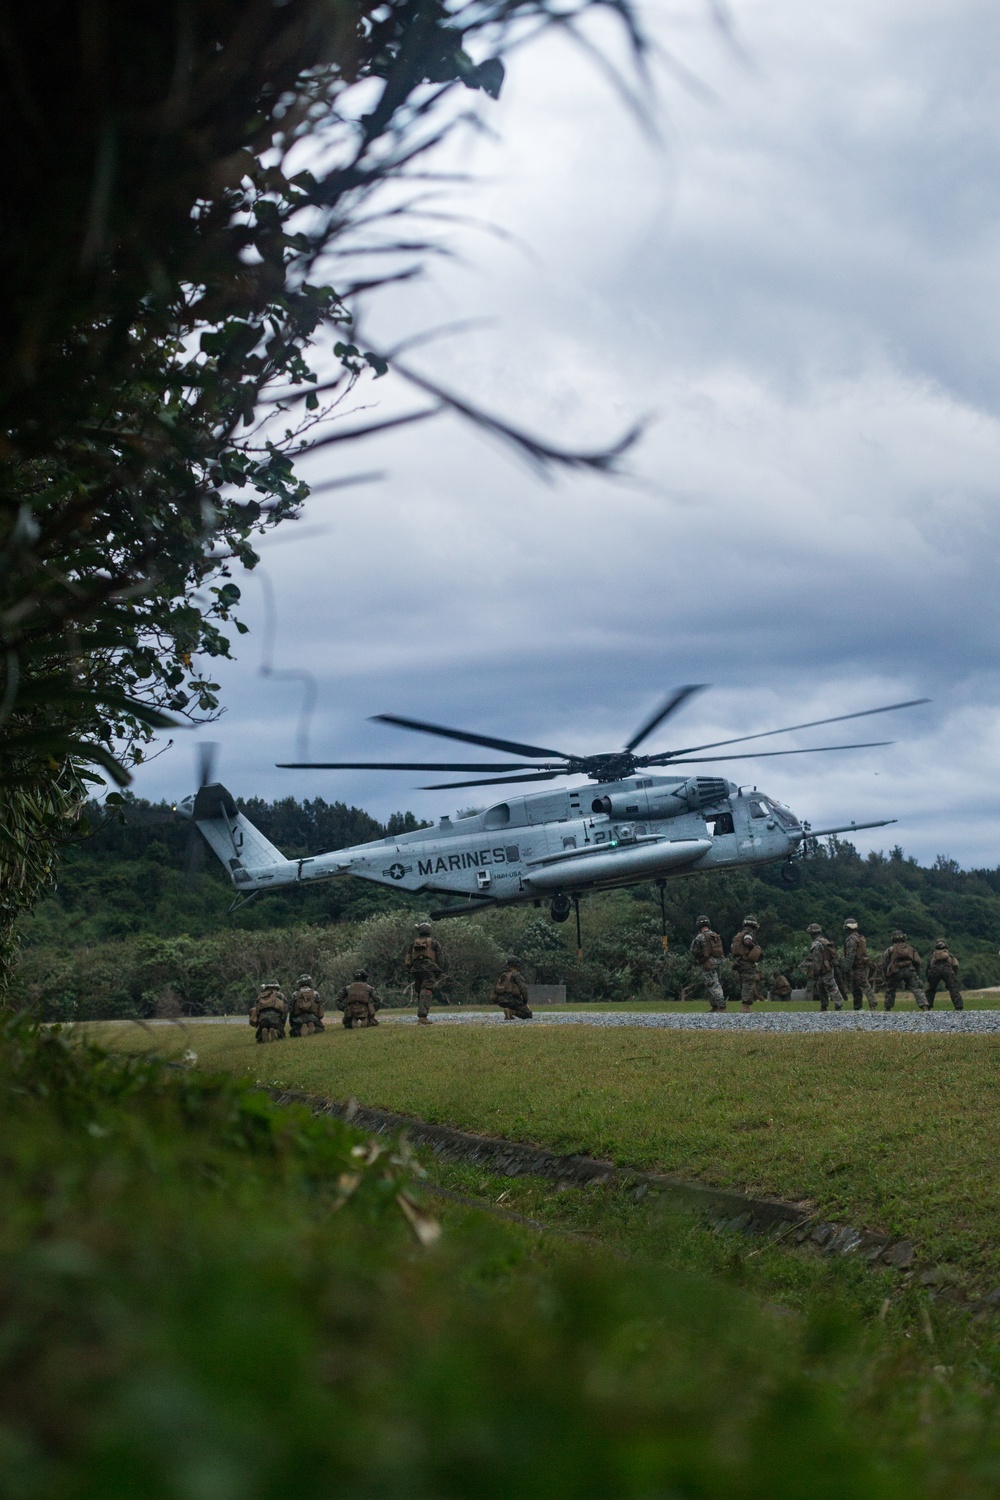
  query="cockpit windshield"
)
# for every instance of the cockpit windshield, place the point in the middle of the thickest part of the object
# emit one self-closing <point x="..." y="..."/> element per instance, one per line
<point x="782" y="814"/>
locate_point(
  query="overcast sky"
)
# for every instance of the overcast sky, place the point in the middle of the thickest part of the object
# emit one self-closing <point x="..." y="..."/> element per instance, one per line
<point x="799" y="284"/>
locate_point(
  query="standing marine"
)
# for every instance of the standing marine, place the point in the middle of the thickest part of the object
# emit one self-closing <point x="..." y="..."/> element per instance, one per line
<point x="856" y="977"/>
<point x="708" y="951"/>
<point x="901" y="966"/>
<point x="268" y="1013"/>
<point x="359" y="1001"/>
<point x="820" y="963"/>
<point x="426" y="961"/>
<point x="942" y="968"/>
<point x="305" y="1014"/>
<point x="746" y="956"/>
<point x="511" y="993"/>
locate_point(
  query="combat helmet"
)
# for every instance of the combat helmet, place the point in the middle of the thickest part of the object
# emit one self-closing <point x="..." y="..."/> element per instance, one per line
<point x="898" y="937"/>
<point x="360" y="974"/>
<point x="513" y="962"/>
<point x="814" y="928"/>
<point x="750" y="921"/>
<point x="851" y="922"/>
<point x="941" y="943"/>
<point x="703" y="921"/>
<point x="305" y="979"/>
<point x="424" y="929"/>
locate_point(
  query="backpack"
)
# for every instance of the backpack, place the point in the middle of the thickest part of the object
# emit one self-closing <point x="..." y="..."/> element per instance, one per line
<point x="900" y="956"/>
<point x="358" y="995"/>
<point x="861" y="951"/>
<point x="424" y="947"/>
<point x="709" y="945"/>
<point x="508" y="984"/>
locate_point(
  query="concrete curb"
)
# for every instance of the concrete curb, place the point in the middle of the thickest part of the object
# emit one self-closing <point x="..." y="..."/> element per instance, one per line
<point x="723" y="1209"/>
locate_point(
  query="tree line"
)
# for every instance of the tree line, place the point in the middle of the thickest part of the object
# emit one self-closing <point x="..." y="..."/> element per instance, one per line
<point x="129" y="922"/>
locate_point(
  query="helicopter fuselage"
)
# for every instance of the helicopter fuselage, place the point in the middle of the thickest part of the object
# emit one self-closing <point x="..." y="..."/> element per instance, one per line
<point x="537" y="844"/>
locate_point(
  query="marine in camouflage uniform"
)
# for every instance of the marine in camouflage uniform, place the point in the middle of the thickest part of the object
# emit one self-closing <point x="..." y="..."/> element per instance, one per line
<point x="268" y="1014"/>
<point x="856" y="967"/>
<point x="708" y="952"/>
<point x="746" y="956"/>
<point x="781" y="987"/>
<point x="359" y="1001"/>
<point x="820" y="970"/>
<point x="511" y="993"/>
<point x="306" y="1012"/>
<point x="425" y="959"/>
<point x="901" y="966"/>
<point x="942" y="968"/>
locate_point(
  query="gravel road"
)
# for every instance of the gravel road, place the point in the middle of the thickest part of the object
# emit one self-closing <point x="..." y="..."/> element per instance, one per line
<point x="852" y="1020"/>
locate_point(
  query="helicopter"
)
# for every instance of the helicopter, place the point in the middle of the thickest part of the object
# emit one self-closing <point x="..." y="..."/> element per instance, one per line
<point x="623" y="828"/>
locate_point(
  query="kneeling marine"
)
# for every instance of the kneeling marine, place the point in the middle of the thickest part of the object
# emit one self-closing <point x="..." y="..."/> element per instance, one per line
<point x="268" y="1013"/>
<point x="359" y="1001"/>
<point x="511" y="993"/>
<point x="306" y="1013"/>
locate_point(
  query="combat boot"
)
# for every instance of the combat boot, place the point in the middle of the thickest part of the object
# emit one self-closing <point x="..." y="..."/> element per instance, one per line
<point x="423" y="1020"/>
<point x="507" y="1014"/>
<point x="958" y="1004"/>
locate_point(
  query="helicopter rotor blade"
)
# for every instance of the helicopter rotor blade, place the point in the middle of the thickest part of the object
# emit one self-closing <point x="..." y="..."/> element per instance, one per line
<point x="511" y="746"/>
<point x="888" y="708"/>
<point x="671" y="706"/>
<point x="404" y="765"/>
<point x="194" y="857"/>
<point x="443" y="786"/>
<point x="710" y="760"/>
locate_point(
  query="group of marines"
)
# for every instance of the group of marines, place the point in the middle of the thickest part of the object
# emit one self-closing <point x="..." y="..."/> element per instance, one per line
<point x="427" y="965"/>
<point x="830" y="974"/>
<point x="304" y="1014"/>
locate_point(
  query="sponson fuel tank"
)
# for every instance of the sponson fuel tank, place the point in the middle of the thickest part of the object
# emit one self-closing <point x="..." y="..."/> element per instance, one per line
<point x="635" y="861"/>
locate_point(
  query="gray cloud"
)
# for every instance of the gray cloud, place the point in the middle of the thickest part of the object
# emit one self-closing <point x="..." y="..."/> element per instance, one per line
<point x="802" y="286"/>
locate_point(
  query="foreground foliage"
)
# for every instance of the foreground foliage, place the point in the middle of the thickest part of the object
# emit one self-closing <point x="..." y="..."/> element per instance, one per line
<point x="182" y="181"/>
<point x="187" y="1312"/>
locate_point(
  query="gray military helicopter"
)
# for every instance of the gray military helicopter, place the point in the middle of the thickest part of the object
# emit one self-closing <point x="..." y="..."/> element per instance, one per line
<point x="624" y="827"/>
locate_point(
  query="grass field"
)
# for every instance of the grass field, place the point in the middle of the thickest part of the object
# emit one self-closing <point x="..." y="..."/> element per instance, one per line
<point x="893" y="1133"/>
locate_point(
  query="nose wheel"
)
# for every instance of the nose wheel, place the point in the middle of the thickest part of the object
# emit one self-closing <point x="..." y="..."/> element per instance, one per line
<point x="560" y="908"/>
<point x="791" y="874"/>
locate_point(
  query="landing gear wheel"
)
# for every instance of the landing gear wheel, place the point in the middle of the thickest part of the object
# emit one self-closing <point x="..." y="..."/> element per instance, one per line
<point x="560" y="908"/>
<point x="791" y="874"/>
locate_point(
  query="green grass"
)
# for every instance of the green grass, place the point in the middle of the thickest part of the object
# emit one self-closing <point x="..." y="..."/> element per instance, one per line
<point x="892" y="1133"/>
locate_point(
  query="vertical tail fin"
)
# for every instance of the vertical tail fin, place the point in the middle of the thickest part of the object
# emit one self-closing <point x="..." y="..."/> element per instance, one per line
<point x="231" y="837"/>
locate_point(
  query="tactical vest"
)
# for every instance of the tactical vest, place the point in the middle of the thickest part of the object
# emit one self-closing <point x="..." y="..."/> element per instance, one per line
<point x="861" y="950"/>
<point x="424" y="948"/>
<point x="305" y="1000"/>
<point x="941" y="958"/>
<point x="359" y="994"/>
<point x="822" y="962"/>
<point x="743" y="952"/>
<point x="509" y="983"/>
<point x="901" y="956"/>
<point x="708" y="945"/>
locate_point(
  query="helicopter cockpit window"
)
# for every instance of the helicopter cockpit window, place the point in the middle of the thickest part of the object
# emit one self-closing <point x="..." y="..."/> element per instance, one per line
<point x="784" y="815"/>
<point x="758" y="807"/>
<point x="722" y="823"/>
